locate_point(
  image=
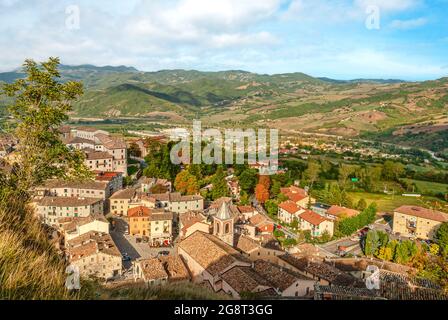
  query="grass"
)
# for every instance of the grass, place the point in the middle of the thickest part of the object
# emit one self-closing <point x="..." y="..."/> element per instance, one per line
<point x="170" y="291"/>
<point x="426" y="187"/>
<point x="387" y="203"/>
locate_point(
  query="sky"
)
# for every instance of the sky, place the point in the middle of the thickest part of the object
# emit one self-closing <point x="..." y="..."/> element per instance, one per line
<point x="341" y="39"/>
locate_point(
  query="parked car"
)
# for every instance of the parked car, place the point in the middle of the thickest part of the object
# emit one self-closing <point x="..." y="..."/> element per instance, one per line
<point x="164" y="253"/>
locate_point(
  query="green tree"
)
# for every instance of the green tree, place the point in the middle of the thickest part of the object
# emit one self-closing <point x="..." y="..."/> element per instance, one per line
<point x="271" y="207"/>
<point x="345" y="171"/>
<point x="275" y="188"/>
<point x="220" y="188"/>
<point x="311" y="174"/>
<point x="442" y="235"/>
<point x="362" y="204"/>
<point x="41" y="103"/>
<point x="392" y="170"/>
<point x="248" y="180"/>
<point x="244" y="199"/>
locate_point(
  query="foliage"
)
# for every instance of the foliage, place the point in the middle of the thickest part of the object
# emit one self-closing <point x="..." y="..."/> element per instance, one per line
<point x="362" y="204"/>
<point x="159" y="162"/>
<point x="392" y="171"/>
<point x="134" y="150"/>
<point x="311" y="174"/>
<point x="442" y="235"/>
<point x="271" y="207"/>
<point x="186" y="183"/>
<point x="247" y="180"/>
<point x="40" y="106"/>
<point x="261" y="193"/>
<point x="348" y="226"/>
<point x="220" y="188"/>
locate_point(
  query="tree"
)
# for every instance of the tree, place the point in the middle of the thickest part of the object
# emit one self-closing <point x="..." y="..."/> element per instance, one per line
<point x="134" y="150"/>
<point x="186" y="183"/>
<point x="271" y="207"/>
<point x="442" y="235"/>
<point x="244" y="199"/>
<point x="265" y="181"/>
<point x="40" y="106"/>
<point x="311" y="174"/>
<point x="392" y="170"/>
<point x="362" y="204"/>
<point x="275" y="188"/>
<point x="345" y="171"/>
<point x="261" y="193"/>
<point x="220" y="188"/>
<point x="248" y="180"/>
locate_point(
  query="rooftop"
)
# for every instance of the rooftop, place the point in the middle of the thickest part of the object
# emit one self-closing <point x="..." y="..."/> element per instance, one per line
<point x="88" y="184"/>
<point x="245" y="279"/>
<point x="423" y="213"/>
<point x="91" y="243"/>
<point x="312" y="217"/>
<point x="339" y="211"/>
<point x="124" y="194"/>
<point x="211" y="253"/>
<point x="290" y="207"/>
<point x="66" y="201"/>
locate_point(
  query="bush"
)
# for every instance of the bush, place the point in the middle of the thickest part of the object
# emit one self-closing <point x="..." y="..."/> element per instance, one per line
<point x="348" y="226"/>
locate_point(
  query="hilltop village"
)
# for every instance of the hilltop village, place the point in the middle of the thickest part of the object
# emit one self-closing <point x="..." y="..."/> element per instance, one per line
<point x="127" y="228"/>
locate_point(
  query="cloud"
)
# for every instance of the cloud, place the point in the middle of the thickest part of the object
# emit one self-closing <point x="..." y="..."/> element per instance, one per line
<point x="389" y="5"/>
<point x="408" y="24"/>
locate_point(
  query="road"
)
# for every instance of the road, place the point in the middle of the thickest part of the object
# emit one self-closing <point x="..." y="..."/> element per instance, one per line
<point x="127" y="244"/>
<point x="260" y="209"/>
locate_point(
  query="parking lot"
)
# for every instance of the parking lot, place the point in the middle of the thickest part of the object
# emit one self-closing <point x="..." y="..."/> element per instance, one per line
<point x="128" y="245"/>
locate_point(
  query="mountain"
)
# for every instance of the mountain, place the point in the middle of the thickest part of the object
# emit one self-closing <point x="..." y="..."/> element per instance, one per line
<point x="388" y="110"/>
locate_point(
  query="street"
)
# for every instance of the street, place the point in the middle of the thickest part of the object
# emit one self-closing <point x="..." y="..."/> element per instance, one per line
<point x="127" y="244"/>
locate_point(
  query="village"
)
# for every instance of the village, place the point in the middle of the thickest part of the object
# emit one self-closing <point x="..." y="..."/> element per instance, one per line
<point x="143" y="232"/>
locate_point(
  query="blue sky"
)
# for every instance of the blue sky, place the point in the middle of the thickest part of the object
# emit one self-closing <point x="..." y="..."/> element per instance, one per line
<point x="318" y="37"/>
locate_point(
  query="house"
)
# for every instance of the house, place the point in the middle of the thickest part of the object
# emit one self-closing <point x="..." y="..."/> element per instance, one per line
<point x="413" y="221"/>
<point x="85" y="132"/>
<point x="113" y="179"/>
<point x="255" y="250"/>
<point x="317" y="269"/>
<point x="62" y="188"/>
<point x="95" y="254"/>
<point x="103" y="151"/>
<point x="262" y="224"/>
<point x="156" y="224"/>
<point x="234" y="188"/>
<point x="288" y="211"/>
<point x="160" y="270"/>
<point x="177" y="203"/>
<point x="297" y="195"/>
<point x="247" y="211"/>
<point x="338" y="212"/>
<point x="73" y="227"/>
<point x="192" y="221"/>
<point x="120" y="200"/>
<point x="50" y="209"/>
<point x="288" y="283"/>
<point x="320" y="208"/>
<point x="207" y="258"/>
<point x="239" y="280"/>
<point x="318" y="225"/>
<point x="148" y="183"/>
<point x="98" y="160"/>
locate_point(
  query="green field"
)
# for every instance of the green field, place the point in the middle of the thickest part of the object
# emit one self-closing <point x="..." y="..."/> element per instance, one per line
<point x="426" y="187"/>
<point x="387" y="203"/>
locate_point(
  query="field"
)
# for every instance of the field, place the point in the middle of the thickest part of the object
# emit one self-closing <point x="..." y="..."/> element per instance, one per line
<point x="426" y="187"/>
<point x="387" y="203"/>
